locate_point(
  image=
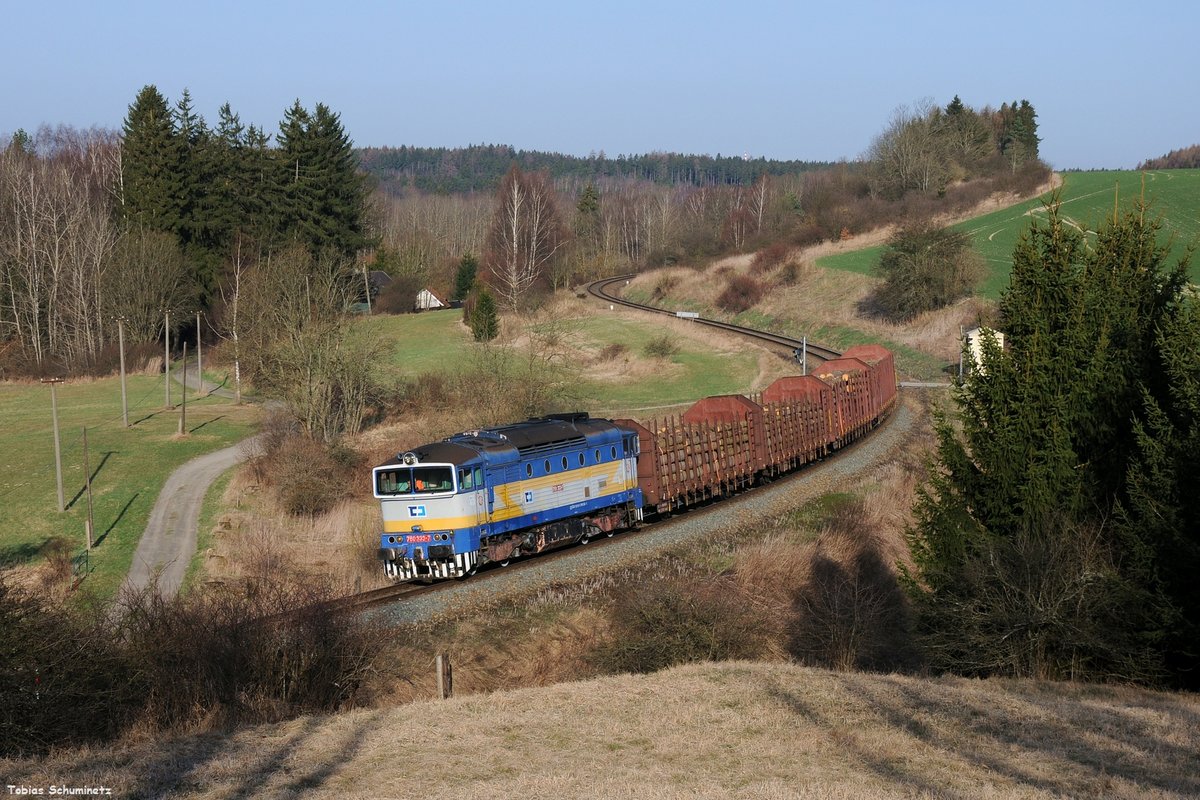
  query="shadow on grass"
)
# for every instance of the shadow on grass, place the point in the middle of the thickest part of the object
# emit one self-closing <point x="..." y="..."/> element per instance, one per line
<point x="206" y="422"/>
<point x="21" y="553"/>
<point x="117" y="520"/>
<point x="83" y="489"/>
<point x="1052" y="738"/>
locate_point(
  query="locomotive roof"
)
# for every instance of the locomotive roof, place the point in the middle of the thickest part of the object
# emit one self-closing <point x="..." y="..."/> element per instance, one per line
<point x="532" y="436"/>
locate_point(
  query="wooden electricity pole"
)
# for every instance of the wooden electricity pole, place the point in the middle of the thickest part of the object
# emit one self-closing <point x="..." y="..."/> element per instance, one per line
<point x="167" y="355"/>
<point x="57" y="441"/>
<point x="87" y="476"/>
<point x="124" y="394"/>
<point x="183" y="405"/>
<point x="199" y="362"/>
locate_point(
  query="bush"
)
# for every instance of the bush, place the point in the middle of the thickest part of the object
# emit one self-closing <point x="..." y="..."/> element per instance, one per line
<point x="309" y="476"/>
<point x="270" y="651"/>
<point x="64" y="677"/>
<point x="399" y="296"/>
<point x="924" y="269"/>
<point x="768" y="258"/>
<point x="741" y="293"/>
<point x="679" y="621"/>
<point x="612" y="352"/>
<point x="662" y="347"/>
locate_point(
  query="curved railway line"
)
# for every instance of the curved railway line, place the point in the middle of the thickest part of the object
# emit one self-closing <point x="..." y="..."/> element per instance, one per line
<point x="601" y="289"/>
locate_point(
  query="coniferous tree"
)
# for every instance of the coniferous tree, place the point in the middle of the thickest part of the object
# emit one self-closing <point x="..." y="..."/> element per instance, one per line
<point x="152" y="185"/>
<point x="464" y="278"/>
<point x="1021" y="567"/>
<point x="484" y="322"/>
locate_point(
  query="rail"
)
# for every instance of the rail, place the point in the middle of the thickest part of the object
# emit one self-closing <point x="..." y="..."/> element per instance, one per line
<point x="600" y="289"/>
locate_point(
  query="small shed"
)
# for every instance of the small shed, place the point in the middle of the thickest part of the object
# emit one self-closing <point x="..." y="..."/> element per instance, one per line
<point x="427" y="300"/>
<point x="974" y="342"/>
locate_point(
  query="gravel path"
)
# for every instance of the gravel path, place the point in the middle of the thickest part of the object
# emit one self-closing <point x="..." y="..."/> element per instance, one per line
<point x="169" y="541"/>
<point x="842" y="472"/>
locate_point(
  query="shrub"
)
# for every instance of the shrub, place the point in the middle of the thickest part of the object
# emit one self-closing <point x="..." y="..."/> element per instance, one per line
<point x="662" y="347"/>
<point x="741" y="293"/>
<point x="612" y="352"/>
<point x="263" y="653"/>
<point x="679" y="621"/>
<point x="399" y="296"/>
<point x="64" y="678"/>
<point x="309" y="476"/>
<point x="768" y="258"/>
<point x="924" y="269"/>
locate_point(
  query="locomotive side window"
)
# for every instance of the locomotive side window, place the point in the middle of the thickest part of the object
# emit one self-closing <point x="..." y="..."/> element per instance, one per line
<point x="564" y="462"/>
<point x="466" y="480"/>
<point x="597" y="456"/>
<point x="479" y="477"/>
<point x="613" y="452"/>
<point x="582" y="459"/>
<point x="529" y="470"/>
<point x="547" y="466"/>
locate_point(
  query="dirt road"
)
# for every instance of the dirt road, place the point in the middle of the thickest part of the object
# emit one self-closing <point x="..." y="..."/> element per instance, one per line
<point x="169" y="541"/>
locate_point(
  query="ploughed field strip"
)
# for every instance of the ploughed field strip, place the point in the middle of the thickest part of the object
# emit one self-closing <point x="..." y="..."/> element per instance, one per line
<point x="494" y="495"/>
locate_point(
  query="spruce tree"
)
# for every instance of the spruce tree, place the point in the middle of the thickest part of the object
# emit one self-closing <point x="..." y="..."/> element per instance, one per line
<point x="485" y="324"/>
<point x="464" y="279"/>
<point x="1021" y="568"/>
<point x="152" y="186"/>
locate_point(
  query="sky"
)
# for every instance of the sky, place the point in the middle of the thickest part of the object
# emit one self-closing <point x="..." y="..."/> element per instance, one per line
<point x="1113" y="84"/>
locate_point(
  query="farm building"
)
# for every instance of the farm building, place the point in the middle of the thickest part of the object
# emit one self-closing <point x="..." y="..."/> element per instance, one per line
<point x="427" y="300"/>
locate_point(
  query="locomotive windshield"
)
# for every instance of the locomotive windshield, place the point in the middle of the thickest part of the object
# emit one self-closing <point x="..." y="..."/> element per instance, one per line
<point x="414" y="480"/>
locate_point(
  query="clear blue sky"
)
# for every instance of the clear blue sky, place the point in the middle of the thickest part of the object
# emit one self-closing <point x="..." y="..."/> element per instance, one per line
<point x="1112" y="83"/>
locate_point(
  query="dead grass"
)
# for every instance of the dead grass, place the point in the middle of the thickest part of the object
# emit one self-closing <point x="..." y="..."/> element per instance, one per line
<point x="738" y="730"/>
<point x="832" y="298"/>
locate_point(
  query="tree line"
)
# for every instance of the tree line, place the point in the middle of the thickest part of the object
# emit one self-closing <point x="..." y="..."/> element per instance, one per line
<point x="1183" y="158"/>
<point x="479" y="168"/>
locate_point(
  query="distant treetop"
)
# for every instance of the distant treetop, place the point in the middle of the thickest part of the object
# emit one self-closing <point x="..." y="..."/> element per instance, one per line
<point x="479" y="168"/>
<point x="1183" y="158"/>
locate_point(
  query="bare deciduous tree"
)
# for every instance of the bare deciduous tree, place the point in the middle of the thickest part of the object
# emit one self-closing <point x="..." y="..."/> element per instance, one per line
<point x="526" y="233"/>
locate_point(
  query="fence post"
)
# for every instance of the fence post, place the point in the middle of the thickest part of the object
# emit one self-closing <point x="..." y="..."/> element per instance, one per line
<point x="445" y="676"/>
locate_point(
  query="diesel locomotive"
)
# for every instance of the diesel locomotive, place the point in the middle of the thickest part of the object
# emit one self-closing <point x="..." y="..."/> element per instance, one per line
<point x="496" y="494"/>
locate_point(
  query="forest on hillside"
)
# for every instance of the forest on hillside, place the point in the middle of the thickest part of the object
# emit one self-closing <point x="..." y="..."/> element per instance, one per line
<point x="1183" y="158"/>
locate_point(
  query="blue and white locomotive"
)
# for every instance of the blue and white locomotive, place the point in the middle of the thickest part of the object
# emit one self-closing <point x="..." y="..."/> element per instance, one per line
<point x="500" y="493"/>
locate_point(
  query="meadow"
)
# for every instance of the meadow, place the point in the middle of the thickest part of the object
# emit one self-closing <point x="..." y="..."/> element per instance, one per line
<point x="1086" y="199"/>
<point x="128" y="467"/>
<point x="703" y="365"/>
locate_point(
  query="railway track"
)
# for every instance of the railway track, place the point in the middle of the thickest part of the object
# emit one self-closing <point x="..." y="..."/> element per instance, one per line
<point x="601" y="289"/>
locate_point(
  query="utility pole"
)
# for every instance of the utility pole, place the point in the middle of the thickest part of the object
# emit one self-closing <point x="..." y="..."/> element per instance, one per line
<point x="183" y="405"/>
<point x="57" y="442"/>
<point x="167" y="355"/>
<point x="199" y="362"/>
<point x="367" y="285"/>
<point x="124" y="394"/>
<point x="87" y="476"/>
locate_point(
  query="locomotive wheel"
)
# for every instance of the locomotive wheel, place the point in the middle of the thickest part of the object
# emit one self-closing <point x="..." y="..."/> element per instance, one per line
<point x="505" y="562"/>
<point x="587" y="537"/>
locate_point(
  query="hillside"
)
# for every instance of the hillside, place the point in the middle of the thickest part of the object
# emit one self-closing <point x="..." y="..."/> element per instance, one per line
<point x="740" y="729"/>
<point x="1086" y="198"/>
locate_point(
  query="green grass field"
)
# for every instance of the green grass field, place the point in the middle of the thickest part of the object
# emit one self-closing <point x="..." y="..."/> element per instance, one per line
<point x="128" y="466"/>
<point x="440" y="343"/>
<point x="1087" y="197"/>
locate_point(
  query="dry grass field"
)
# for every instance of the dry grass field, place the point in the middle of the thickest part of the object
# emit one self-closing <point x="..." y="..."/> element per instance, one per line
<point x="733" y="730"/>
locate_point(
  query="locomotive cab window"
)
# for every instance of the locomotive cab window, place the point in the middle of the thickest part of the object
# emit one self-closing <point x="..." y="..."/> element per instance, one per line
<point x="429" y="480"/>
<point x="466" y="480"/>
<point x="393" y="481"/>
